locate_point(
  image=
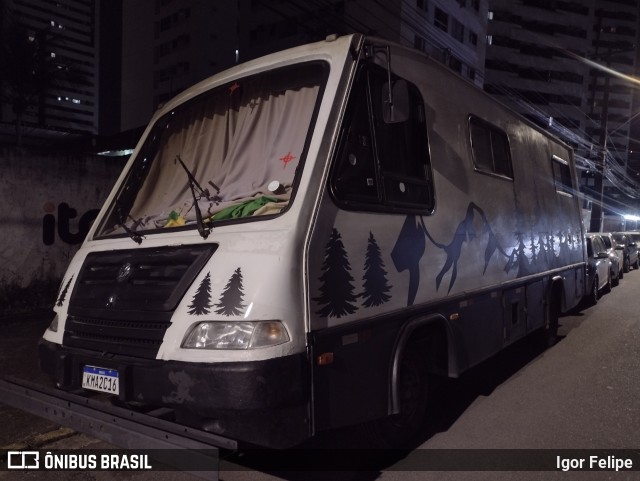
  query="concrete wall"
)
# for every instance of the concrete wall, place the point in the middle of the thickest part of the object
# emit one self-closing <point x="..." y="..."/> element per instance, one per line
<point x="48" y="201"/>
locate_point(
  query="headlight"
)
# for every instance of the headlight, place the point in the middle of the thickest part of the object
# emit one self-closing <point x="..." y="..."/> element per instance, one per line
<point x="235" y="335"/>
<point x="54" y="324"/>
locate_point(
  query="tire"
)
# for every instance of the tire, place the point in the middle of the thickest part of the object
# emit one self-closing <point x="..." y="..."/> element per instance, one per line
<point x="625" y="265"/>
<point x="401" y="430"/>
<point x="552" y="316"/>
<point x="615" y="281"/>
<point x="594" y="295"/>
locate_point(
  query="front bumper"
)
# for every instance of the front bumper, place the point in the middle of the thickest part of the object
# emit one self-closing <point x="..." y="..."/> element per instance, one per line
<point x="259" y="402"/>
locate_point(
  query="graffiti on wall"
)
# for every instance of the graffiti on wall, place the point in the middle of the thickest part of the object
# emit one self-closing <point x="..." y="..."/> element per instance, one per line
<point x="59" y="220"/>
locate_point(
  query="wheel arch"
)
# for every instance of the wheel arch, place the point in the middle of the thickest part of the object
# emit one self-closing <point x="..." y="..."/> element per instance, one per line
<point x="440" y="356"/>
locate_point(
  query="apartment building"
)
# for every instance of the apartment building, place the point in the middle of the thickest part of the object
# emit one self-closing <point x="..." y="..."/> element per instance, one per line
<point x="452" y="31"/>
<point x="168" y="45"/>
<point x="171" y="44"/>
<point x="66" y="35"/>
<point x="562" y="64"/>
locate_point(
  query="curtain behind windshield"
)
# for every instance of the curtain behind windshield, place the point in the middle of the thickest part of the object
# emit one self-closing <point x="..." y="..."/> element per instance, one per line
<point x="236" y="141"/>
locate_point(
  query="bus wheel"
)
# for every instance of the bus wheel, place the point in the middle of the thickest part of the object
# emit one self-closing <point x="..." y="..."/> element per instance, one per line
<point x="401" y="430"/>
<point x="552" y="316"/>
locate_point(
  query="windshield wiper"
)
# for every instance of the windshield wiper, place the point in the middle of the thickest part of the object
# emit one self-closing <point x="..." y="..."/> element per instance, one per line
<point x="123" y="223"/>
<point x="193" y="184"/>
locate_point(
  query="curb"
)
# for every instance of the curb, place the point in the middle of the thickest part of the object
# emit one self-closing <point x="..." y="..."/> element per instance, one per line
<point x="40" y="440"/>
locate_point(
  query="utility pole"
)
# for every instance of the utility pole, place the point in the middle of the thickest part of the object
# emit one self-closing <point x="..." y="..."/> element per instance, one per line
<point x="601" y="161"/>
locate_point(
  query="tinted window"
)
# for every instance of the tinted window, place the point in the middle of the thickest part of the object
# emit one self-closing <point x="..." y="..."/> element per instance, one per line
<point x="562" y="175"/>
<point x="621" y="239"/>
<point x="355" y="178"/>
<point x="598" y="245"/>
<point x="383" y="163"/>
<point x="490" y="148"/>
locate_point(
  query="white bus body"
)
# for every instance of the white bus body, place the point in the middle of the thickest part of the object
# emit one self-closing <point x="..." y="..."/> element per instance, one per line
<point x="363" y="216"/>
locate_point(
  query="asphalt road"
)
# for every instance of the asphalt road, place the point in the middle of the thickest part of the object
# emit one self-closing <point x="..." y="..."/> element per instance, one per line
<point x="583" y="393"/>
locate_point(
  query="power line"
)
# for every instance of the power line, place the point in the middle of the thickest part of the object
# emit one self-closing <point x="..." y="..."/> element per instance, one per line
<point x="408" y="15"/>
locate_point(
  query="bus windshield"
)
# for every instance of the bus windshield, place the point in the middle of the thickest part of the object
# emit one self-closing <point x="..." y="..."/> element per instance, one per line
<point x="231" y="153"/>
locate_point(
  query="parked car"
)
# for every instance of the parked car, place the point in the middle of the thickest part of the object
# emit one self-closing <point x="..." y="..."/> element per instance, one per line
<point x="598" y="268"/>
<point x="630" y="249"/>
<point x="615" y="255"/>
<point x="634" y="239"/>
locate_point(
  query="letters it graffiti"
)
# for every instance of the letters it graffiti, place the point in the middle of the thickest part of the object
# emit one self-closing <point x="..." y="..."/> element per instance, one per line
<point x="63" y="224"/>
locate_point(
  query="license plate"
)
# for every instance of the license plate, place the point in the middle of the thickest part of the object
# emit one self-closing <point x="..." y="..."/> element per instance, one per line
<point x="100" y="379"/>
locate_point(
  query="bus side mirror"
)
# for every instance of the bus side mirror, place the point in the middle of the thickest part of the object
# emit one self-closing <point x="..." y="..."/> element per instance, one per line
<point x="395" y="105"/>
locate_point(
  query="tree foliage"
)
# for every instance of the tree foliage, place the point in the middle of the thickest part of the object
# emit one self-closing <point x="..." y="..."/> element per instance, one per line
<point x="231" y="300"/>
<point x="376" y="286"/>
<point x="336" y="290"/>
<point x="201" y="302"/>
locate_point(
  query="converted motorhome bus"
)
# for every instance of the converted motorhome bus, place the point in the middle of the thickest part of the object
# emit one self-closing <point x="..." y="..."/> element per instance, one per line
<point x="303" y="241"/>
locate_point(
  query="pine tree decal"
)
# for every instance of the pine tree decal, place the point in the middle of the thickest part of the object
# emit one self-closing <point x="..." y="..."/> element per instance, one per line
<point x="231" y="299"/>
<point x="533" y="247"/>
<point x="336" y="288"/>
<point x="375" y="277"/>
<point x="201" y="302"/>
<point x="63" y="294"/>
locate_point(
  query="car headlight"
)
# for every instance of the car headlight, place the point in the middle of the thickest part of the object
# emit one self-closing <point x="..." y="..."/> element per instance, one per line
<point x="235" y="335"/>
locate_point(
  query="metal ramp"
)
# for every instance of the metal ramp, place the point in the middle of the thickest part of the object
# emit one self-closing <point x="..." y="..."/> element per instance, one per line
<point x="183" y="448"/>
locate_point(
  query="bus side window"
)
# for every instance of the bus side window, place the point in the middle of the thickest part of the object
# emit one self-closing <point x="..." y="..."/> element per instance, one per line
<point x="562" y="175"/>
<point x="402" y="147"/>
<point x="490" y="148"/>
<point x="355" y="178"/>
<point x="383" y="163"/>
